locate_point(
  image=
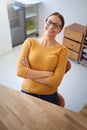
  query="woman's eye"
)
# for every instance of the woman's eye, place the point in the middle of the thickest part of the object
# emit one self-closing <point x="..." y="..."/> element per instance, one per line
<point x="49" y="22"/>
<point x="56" y="25"/>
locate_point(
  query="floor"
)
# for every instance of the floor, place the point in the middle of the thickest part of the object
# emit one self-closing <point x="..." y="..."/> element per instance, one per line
<point x="8" y="64"/>
<point x="73" y="86"/>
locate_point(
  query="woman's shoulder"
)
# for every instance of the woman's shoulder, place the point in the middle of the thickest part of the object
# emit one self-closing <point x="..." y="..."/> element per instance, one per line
<point x="31" y="41"/>
<point x="64" y="48"/>
<point x="61" y="47"/>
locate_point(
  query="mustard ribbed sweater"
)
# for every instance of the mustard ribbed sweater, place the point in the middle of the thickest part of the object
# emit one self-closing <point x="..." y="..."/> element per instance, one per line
<point x="42" y="58"/>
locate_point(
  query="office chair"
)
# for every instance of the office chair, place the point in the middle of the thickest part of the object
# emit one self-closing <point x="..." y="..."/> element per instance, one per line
<point x="60" y="97"/>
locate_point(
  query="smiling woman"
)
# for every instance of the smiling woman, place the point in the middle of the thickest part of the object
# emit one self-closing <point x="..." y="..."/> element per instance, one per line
<point x="56" y="25"/>
<point x="42" y="62"/>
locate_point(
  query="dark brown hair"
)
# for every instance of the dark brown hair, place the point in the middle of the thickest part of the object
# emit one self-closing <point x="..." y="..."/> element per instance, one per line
<point x="60" y="16"/>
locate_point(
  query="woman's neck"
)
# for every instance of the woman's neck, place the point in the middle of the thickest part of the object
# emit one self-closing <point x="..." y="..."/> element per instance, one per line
<point x="47" y="41"/>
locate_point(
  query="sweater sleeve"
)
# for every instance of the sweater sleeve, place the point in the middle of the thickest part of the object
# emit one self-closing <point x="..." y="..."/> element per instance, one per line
<point x="56" y="79"/>
<point x="21" y="70"/>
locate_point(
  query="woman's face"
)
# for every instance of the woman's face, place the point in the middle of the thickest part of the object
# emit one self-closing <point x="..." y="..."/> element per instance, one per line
<point x="52" y="26"/>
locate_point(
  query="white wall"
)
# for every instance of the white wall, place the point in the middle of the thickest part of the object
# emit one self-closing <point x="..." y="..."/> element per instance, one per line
<point x="74" y="85"/>
<point x="74" y="11"/>
<point x="5" y="37"/>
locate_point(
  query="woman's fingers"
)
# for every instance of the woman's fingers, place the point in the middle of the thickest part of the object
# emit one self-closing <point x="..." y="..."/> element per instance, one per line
<point x="24" y="61"/>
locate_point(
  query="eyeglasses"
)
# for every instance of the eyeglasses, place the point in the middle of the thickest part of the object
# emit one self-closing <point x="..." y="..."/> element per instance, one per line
<point x="55" y="25"/>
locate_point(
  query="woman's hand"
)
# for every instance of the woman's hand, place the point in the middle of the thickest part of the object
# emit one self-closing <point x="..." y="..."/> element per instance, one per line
<point x="39" y="76"/>
<point x="25" y="62"/>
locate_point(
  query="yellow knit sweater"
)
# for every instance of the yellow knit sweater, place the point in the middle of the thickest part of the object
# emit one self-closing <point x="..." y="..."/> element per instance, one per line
<point x="42" y="58"/>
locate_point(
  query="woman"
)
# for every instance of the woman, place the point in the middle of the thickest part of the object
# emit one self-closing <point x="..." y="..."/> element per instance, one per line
<point x="42" y="61"/>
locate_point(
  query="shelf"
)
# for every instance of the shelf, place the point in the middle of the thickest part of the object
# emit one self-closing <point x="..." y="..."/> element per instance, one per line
<point x="31" y="15"/>
<point x="83" y="63"/>
<point x="84" y="45"/>
<point x="31" y="19"/>
<point x="26" y="3"/>
<point x="31" y="31"/>
<point x="75" y="39"/>
<point x="83" y="59"/>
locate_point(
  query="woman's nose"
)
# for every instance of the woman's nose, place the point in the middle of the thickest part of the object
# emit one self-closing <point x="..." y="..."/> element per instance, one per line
<point x="51" y="26"/>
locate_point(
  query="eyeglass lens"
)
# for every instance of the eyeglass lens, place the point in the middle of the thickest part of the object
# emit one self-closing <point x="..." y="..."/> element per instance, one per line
<point x="55" y="25"/>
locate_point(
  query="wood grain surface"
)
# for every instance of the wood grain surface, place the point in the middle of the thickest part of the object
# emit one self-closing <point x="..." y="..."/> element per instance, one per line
<point x="19" y="111"/>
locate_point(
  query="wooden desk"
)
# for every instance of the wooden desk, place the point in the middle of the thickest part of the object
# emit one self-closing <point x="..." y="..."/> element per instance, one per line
<point x="19" y="111"/>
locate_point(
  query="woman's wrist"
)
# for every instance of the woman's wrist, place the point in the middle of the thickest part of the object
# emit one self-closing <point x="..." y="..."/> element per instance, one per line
<point x="35" y="74"/>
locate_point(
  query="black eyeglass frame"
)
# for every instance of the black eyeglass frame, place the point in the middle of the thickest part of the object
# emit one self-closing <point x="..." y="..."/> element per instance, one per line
<point x="55" y="25"/>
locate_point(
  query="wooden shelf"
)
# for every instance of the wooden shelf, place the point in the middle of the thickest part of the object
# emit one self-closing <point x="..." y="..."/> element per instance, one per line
<point x="75" y="40"/>
<point x="83" y="60"/>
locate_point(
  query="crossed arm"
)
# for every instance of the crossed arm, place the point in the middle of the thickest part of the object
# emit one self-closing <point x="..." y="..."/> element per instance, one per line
<point x="39" y="76"/>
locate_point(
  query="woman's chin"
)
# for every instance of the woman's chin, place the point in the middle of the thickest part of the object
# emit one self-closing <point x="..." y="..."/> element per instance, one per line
<point x="49" y="33"/>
